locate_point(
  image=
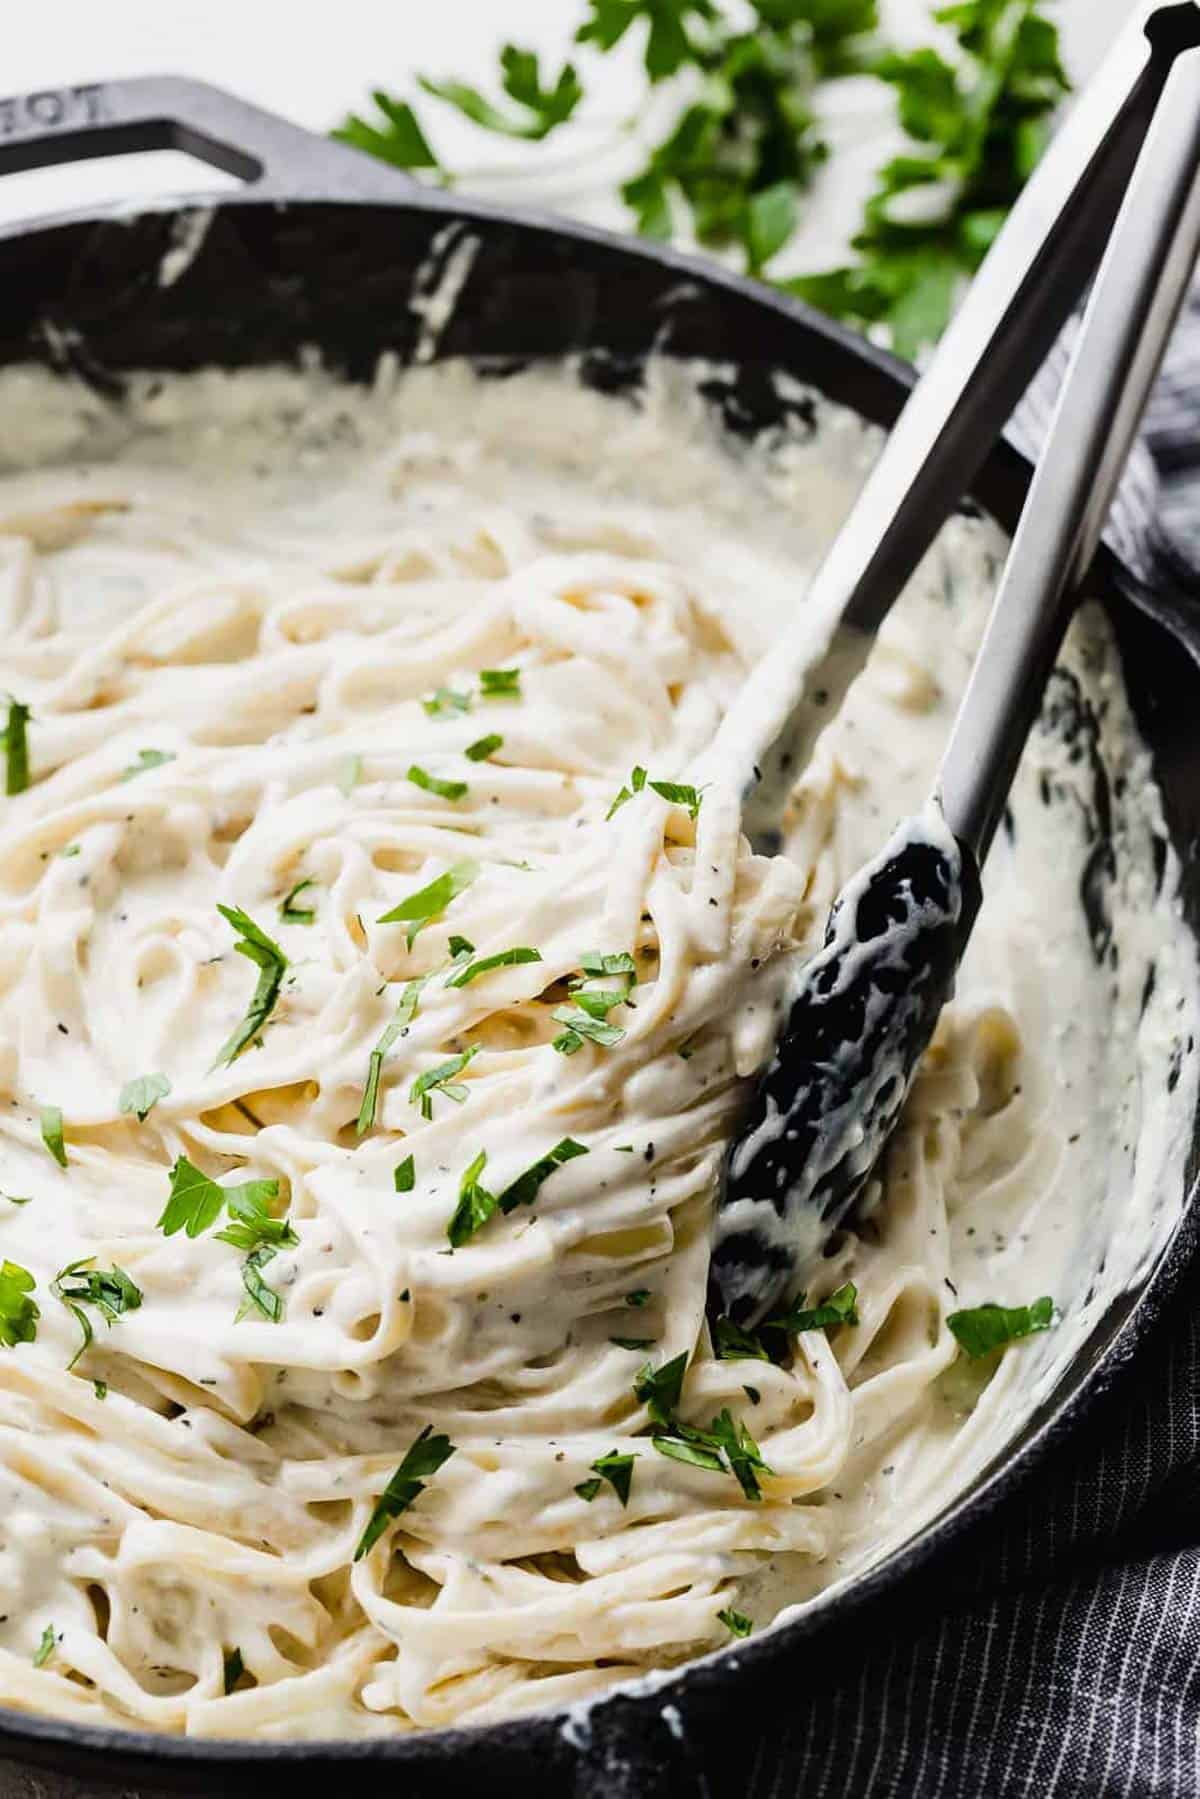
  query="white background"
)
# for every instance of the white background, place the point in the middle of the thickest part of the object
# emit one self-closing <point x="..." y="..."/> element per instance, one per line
<point x="316" y="61"/>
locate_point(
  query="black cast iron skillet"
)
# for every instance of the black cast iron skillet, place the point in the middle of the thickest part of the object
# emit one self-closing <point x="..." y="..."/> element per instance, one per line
<point x="321" y="248"/>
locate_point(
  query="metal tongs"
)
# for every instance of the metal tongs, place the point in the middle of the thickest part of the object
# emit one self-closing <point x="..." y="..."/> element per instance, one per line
<point x="1122" y="177"/>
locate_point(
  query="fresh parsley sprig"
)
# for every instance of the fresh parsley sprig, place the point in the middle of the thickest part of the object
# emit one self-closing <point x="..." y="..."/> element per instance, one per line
<point x="742" y="147"/>
<point x="16" y="748"/>
<point x="272" y="965"/>
<point x="421" y="1461"/>
<point x="18" y="1313"/>
<point x="985" y="1328"/>
<point x="110" y="1290"/>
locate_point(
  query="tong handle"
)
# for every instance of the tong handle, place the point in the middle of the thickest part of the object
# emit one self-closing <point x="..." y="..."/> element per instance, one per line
<point x="1134" y="305"/>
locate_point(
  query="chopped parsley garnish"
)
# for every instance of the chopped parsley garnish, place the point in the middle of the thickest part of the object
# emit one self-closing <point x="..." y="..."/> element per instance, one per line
<point x="446" y="790"/>
<point x="505" y="958"/>
<point x="18" y="1199"/>
<point x="16" y="748"/>
<point x="726" y="1447"/>
<point x="839" y="1308"/>
<point x="599" y="966"/>
<point x="271" y="963"/>
<point x="524" y="1190"/>
<point x="639" y="1297"/>
<point x="110" y="1290"/>
<point x="475" y="1204"/>
<point x="52" y="1133"/>
<point x="259" y="1296"/>
<point x="678" y="795"/>
<point x="441" y="1080"/>
<point x="616" y="1469"/>
<point x="444" y="702"/>
<point x="45" y="1648"/>
<point x="734" y="1344"/>
<point x="673" y="791"/>
<point x="234" y="1668"/>
<point x="71" y="849"/>
<point x="404" y="1178"/>
<point x="403" y="1016"/>
<point x="428" y="903"/>
<point x="18" y="1313"/>
<point x="500" y="683"/>
<point x="658" y="1389"/>
<point x="736" y="1623"/>
<point x="634" y="1343"/>
<point x="291" y="913"/>
<point x="140" y="1095"/>
<point x="423" y="1459"/>
<point x="771" y="1341"/>
<point x="482" y="748"/>
<point x="195" y="1203"/>
<point x="985" y="1328"/>
<point x="579" y="1024"/>
<point x="250" y="1223"/>
<point x="147" y="759"/>
<point x="461" y="948"/>
<point x="100" y="1389"/>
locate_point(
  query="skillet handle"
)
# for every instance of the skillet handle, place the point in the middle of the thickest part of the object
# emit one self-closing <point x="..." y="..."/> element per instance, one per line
<point x="168" y="112"/>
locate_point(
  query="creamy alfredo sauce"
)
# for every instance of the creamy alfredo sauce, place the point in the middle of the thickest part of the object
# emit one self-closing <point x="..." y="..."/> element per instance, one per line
<point x="240" y="613"/>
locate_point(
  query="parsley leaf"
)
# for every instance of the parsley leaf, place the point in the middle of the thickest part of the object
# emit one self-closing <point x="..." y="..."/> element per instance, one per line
<point x="617" y="1470"/>
<point x="195" y="1203"/>
<point x="444" y="702"/>
<point x="271" y="963"/>
<point x="482" y="748"/>
<point x="543" y="108"/>
<point x="259" y="1296"/>
<point x="500" y="683"/>
<point x="985" y="1328"/>
<point x="422" y="1460"/>
<point x="397" y="139"/>
<point x="736" y="1623"/>
<point x="525" y="1189"/>
<point x="290" y="912"/>
<point x="673" y="791"/>
<point x="52" y="1133"/>
<point x="505" y="958"/>
<point x="428" y="903"/>
<point x="588" y="1489"/>
<point x="404" y="1178"/>
<point x="18" y="1313"/>
<point x="441" y="1080"/>
<point x="446" y="790"/>
<point x="580" y="1023"/>
<point x="110" y="1290"/>
<point x="16" y="748"/>
<point x="250" y="1223"/>
<point x="658" y="1389"/>
<point x="839" y="1308"/>
<point x="639" y="1297"/>
<point x="147" y="759"/>
<point x="403" y="1016"/>
<point x="18" y="1199"/>
<point x="140" y="1095"/>
<point x="45" y="1648"/>
<point x="475" y="1204"/>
